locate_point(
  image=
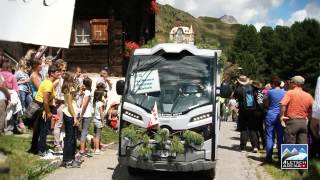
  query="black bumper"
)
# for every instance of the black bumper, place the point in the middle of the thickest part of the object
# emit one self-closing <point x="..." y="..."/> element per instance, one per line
<point x="173" y="166"/>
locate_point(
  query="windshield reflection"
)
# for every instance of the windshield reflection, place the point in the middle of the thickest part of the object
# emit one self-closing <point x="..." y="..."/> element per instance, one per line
<point x="185" y="82"/>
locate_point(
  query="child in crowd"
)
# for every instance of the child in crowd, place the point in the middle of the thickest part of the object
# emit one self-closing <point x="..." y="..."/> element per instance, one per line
<point x="98" y="105"/>
<point x="23" y="80"/>
<point x="113" y="118"/>
<point x="85" y="115"/>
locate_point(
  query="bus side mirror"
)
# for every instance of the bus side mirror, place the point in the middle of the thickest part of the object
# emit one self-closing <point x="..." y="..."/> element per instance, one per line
<point x="225" y="90"/>
<point x="120" y="87"/>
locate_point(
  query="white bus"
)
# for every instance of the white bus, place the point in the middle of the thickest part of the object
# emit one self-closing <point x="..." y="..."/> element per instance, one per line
<point x="175" y="85"/>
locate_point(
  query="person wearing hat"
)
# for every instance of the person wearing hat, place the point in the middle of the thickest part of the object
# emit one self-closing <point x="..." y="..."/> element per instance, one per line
<point x="259" y="113"/>
<point x="244" y="93"/>
<point x="296" y="108"/>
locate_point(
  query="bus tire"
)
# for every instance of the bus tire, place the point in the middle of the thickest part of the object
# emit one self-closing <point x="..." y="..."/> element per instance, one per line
<point x="210" y="174"/>
<point x="134" y="171"/>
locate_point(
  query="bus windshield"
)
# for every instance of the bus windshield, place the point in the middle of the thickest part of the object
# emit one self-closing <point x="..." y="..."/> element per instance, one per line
<point x="175" y="83"/>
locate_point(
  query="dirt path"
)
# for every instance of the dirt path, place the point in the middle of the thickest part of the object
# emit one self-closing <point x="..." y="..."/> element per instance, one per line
<point x="233" y="164"/>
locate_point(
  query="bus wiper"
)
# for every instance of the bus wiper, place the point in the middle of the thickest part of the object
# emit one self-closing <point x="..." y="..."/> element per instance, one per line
<point x="157" y="59"/>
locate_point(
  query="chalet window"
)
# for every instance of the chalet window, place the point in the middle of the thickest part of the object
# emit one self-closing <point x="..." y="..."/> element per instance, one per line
<point x="82" y="33"/>
<point x="99" y="31"/>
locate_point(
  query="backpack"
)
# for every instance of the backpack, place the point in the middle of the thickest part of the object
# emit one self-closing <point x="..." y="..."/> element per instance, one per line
<point x="249" y="100"/>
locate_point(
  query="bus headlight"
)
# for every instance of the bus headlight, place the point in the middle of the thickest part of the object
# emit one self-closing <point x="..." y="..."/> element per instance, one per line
<point x="132" y="114"/>
<point x="201" y="117"/>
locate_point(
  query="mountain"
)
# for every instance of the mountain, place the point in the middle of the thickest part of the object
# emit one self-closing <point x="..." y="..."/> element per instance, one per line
<point x="294" y="150"/>
<point x="302" y="150"/>
<point x="228" y="19"/>
<point x="209" y="31"/>
<point x="286" y="151"/>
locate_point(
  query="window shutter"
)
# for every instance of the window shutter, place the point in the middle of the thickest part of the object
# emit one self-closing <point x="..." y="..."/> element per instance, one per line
<point x="99" y="31"/>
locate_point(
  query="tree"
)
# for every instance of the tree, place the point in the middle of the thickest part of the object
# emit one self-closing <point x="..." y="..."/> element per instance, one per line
<point x="246" y="52"/>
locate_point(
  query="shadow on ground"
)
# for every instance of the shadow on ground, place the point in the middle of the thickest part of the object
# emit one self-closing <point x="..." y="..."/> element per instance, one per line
<point x="234" y="147"/>
<point x="121" y="173"/>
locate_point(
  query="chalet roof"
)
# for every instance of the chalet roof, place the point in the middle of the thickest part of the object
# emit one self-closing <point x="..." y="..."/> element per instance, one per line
<point x="186" y="30"/>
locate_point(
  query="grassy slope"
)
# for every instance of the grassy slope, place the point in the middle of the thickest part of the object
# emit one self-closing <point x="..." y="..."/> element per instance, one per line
<point x="26" y="165"/>
<point x="208" y="30"/>
<point x="21" y="163"/>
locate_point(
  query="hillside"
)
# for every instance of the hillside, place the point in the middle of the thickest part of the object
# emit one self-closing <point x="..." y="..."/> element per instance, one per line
<point x="209" y="31"/>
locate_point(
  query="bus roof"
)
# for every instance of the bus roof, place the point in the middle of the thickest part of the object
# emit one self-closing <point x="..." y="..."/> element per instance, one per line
<point x="177" y="48"/>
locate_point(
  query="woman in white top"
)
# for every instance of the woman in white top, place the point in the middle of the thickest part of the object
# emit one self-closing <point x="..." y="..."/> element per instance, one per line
<point x="71" y="122"/>
<point x="85" y="114"/>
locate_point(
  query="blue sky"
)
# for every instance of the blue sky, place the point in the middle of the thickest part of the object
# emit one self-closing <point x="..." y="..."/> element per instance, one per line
<point x="256" y="12"/>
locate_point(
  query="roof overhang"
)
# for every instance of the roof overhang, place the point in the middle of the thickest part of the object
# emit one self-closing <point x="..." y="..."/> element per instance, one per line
<point x="42" y="22"/>
<point x="177" y="48"/>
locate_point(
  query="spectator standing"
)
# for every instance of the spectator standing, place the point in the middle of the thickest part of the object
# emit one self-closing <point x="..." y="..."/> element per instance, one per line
<point x="296" y="107"/>
<point x="23" y="80"/>
<point x="314" y="125"/>
<point x="98" y="106"/>
<point x="104" y="75"/>
<point x="44" y="98"/>
<point x="35" y="76"/>
<point x="273" y="125"/>
<point x="59" y="101"/>
<point x="85" y="115"/>
<point x="259" y="113"/>
<point x="244" y="94"/>
<point x="4" y="98"/>
<point x="9" y="78"/>
<point x="71" y="121"/>
<point x="314" y="147"/>
<point x="233" y="106"/>
<point x="46" y="63"/>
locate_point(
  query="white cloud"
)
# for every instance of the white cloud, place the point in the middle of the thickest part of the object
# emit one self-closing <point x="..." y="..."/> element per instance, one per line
<point x="297" y="16"/>
<point x="280" y="22"/>
<point x="191" y="5"/>
<point x="259" y="25"/>
<point x="313" y="10"/>
<point x="170" y="2"/>
<point x="276" y="3"/>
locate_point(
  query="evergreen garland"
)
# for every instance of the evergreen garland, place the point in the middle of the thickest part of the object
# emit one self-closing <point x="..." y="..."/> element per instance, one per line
<point x="192" y="138"/>
<point x="162" y="137"/>
<point x="176" y="145"/>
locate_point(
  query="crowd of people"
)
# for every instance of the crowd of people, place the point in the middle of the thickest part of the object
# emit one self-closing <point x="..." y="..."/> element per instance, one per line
<point x="40" y="92"/>
<point x="281" y="112"/>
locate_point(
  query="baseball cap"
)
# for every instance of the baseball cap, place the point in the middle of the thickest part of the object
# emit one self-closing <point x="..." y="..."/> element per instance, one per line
<point x="297" y="80"/>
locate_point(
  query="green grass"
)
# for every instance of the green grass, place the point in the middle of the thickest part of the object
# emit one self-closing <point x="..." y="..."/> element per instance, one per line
<point x="23" y="165"/>
<point x="107" y="136"/>
<point x="313" y="173"/>
<point x="20" y="163"/>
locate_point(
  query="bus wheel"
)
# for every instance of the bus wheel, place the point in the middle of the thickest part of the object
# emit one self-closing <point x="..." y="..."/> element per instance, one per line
<point x="210" y="174"/>
<point x="134" y="171"/>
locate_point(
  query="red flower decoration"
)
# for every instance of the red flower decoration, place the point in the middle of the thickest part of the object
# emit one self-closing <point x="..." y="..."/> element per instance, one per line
<point x="130" y="47"/>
